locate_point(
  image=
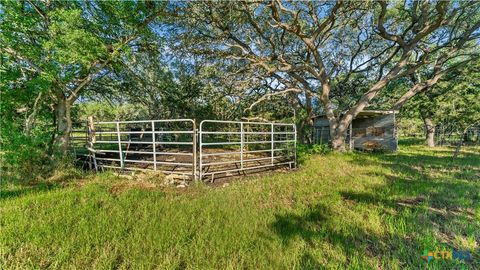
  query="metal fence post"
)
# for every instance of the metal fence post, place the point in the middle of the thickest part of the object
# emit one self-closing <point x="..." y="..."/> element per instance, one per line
<point x="154" y="147"/>
<point x="200" y="152"/>
<point x="91" y="139"/>
<point x="242" y="141"/>
<point x="295" y="144"/>
<point x="194" y="151"/>
<point x="272" y="144"/>
<point x="119" y="139"/>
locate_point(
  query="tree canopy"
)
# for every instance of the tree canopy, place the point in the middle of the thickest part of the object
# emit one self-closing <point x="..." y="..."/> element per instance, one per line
<point x="341" y="53"/>
<point x="274" y="60"/>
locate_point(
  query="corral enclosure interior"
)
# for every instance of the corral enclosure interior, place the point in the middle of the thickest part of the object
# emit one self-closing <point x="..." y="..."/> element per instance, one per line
<point x="164" y="145"/>
<point x="176" y="146"/>
<point x="232" y="147"/>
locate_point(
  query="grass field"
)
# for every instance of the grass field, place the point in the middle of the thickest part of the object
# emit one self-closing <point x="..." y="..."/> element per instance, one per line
<point x="338" y="211"/>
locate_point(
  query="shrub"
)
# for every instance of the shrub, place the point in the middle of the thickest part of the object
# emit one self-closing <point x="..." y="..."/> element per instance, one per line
<point x="306" y="150"/>
<point x="22" y="158"/>
<point x="26" y="158"/>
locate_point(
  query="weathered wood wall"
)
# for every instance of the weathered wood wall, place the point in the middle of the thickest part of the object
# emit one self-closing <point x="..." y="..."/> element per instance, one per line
<point x="368" y="133"/>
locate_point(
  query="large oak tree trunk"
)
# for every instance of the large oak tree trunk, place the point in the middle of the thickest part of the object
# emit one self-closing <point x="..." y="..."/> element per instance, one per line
<point x="338" y="129"/>
<point x="460" y="143"/>
<point x="64" y="124"/>
<point x="338" y="136"/>
<point x="429" y="131"/>
<point x="338" y="143"/>
<point x="308" y="123"/>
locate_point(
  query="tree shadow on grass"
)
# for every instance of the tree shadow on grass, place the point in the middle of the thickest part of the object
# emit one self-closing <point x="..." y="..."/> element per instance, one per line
<point x="364" y="197"/>
<point x="444" y="209"/>
<point x="428" y="193"/>
<point x="356" y="246"/>
<point x="24" y="190"/>
<point x="290" y="225"/>
<point x="317" y="226"/>
<point x="442" y="191"/>
<point x="447" y="181"/>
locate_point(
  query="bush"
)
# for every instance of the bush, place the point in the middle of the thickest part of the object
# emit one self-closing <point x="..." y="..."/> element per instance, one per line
<point x="26" y="158"/>
<point x="22" y="157"/>
<point x="304" y="151"/>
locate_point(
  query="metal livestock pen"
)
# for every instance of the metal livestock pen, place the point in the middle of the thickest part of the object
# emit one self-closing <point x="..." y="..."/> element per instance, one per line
<point x="250" y="146"/>
<point x="170" y="146"/>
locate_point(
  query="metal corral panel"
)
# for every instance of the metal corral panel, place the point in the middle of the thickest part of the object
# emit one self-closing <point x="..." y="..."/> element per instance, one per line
<point x="233" y="147"/>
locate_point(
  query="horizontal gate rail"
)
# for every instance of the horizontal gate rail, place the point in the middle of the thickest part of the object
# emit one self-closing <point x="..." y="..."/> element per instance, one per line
<point x="245" y="152"/>
<point x="146" y="145"/>
<point x="135" y="142"/>
<point x="146" y="121"/>
<point x="170" y="146"/>
<point x="144" y="132"/>
<point x="216" y="156"/>
<point x="247" y="168"/>
<point x="143" y="152"/>
<point x="249" y="132"/>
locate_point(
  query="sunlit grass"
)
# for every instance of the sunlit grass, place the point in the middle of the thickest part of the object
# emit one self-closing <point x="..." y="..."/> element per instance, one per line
<point x="339" y="211"/>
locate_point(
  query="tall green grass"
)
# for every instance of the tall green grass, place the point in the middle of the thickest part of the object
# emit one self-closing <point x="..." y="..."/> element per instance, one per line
<point x="338" y="211"/>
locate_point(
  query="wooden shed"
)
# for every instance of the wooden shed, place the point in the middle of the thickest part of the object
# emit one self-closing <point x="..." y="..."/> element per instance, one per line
<point x="370" y="130"/>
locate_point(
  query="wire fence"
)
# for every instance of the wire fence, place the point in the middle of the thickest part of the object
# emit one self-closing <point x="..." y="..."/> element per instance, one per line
<point x="447" y="135"/>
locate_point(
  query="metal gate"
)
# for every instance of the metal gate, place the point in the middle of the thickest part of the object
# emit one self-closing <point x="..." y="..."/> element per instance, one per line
<point x="170" y="146"/>
<point x="227" y="147"/>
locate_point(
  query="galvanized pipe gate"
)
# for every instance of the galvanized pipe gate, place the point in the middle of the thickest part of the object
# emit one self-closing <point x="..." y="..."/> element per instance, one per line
<point x="256" y="145"/>
<point x="170" y="146"/>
